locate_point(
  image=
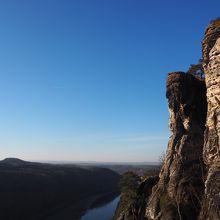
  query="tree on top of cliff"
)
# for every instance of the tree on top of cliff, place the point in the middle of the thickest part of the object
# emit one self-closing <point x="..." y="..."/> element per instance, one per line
<point x="197" y="70"/>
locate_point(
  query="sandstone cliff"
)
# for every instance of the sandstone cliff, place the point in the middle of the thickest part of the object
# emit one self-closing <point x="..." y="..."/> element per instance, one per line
<point x="189" y="180"/>
<point x="178" y="192"/>
<point x="211" y="154"/>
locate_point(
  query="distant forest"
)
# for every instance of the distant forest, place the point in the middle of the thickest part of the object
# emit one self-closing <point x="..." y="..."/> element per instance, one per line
<point x="37" y="191"/>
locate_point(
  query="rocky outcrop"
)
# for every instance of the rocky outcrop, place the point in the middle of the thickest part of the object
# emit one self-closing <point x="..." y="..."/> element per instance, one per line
<point x="211" y="152"/>
<point x="178" y="192"/>
<point x="189" y="180"/>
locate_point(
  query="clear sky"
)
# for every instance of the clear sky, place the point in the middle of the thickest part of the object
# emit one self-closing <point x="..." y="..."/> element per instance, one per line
<point x="85" y="79"/>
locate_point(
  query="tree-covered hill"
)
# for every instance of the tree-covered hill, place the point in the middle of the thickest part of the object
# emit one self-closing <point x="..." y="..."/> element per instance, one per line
<point x="37" y="191"/>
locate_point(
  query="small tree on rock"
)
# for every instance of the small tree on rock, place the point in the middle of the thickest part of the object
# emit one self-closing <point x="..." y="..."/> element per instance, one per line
<point x="197" y="70"/>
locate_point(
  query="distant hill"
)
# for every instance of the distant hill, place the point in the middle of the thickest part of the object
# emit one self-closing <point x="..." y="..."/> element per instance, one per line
<point x="38" y="191"/>
<point x="14" y="161"/>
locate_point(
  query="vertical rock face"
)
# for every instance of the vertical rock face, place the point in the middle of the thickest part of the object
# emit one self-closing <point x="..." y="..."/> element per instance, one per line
<point x="211" y="56"/>
<point x="178" y="192"/>
<point x="211" y="152"/>
<point x="189" y="180"/>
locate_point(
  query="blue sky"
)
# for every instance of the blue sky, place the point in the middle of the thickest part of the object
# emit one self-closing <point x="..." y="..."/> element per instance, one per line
<point x="85" y="80"/>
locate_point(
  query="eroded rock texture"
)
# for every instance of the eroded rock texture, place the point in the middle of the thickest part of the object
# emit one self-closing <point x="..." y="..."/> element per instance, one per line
<point x="178" y="192"/>
<point x="189" y="181"/>
<point x="211" y="153"/>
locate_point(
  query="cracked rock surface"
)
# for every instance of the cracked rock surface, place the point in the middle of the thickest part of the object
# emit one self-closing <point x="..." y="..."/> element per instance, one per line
<point x="211" y="151"/>
<point x="178" y="192"/>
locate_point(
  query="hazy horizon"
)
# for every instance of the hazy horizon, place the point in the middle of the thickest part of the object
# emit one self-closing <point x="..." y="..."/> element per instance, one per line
<point x="86" y="80"/>
<point x="88" y="162"/>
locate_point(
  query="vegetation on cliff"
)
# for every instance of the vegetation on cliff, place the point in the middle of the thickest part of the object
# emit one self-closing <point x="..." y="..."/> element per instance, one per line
<point x="197" y="70"/>
<point x="134" y="193"/>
